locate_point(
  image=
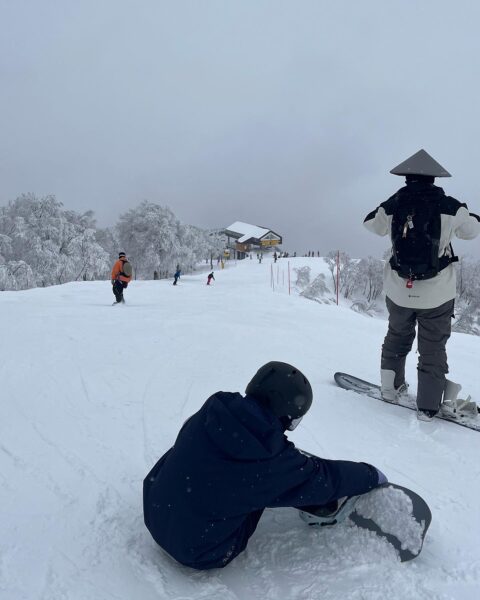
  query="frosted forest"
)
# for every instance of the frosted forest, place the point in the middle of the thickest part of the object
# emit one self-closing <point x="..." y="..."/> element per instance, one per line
<point x="43" y="244"/>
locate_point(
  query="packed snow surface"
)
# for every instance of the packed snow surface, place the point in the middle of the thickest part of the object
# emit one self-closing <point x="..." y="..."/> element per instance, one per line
<point x="93" y="394"/>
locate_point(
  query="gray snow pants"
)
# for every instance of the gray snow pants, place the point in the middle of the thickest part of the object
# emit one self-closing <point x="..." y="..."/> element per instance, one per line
<point x="434" y="328"/>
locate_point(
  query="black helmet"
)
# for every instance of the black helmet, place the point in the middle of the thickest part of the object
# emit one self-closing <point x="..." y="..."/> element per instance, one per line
<point x="282" y="389"/>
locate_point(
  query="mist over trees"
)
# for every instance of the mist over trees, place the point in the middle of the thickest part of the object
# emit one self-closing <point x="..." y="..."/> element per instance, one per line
<point x="360" y="281"/>
<point x="357" y="278"/>
<point x="43" y="244"/>
<point x="157" y="241"/>
<point x="467" y="304"/>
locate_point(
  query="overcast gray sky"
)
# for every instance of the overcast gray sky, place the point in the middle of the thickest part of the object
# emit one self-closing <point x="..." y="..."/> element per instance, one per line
<point x="287" y="114"/>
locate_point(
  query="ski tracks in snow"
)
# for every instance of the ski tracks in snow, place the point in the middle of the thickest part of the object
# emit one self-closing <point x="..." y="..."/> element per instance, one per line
<point x="104" y="399"/>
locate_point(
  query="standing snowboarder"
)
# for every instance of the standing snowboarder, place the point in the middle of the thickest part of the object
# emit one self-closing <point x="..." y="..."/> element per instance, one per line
<point x="176" y="277"/>
<point x="210" y="277"/>
<point x="203" y="499"/>
<point x="419" y="279"/>
<point x="121" y="276"/>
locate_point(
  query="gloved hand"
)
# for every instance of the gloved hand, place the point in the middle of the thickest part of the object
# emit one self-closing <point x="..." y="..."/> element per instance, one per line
<point x="113" y="281"/>
<point x="381" y="477"/>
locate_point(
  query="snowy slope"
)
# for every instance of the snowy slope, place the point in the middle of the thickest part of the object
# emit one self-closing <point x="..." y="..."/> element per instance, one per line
<point x="92" y="395"/>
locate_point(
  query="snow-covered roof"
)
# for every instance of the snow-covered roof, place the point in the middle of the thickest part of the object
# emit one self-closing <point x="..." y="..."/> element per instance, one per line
<point x="248" y="231"/>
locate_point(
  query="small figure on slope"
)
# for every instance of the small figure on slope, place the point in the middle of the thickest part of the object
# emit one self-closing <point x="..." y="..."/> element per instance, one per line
<point x="176" y="277"/>
<point x="419" y="279"/>
<point x="203" y="499"/>
<point x="121" y="276"/>
<point x="210" y="277"/>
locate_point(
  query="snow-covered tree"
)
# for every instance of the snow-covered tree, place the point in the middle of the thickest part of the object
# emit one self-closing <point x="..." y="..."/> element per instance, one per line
<point x="370" y="272"/>
<point x="303" y="277"/>
<point x="318" y="290"/>
<point x="107" y="239"/>
<point x="57" y="245"/>
<point x="215" y="244"/>
<point x="334" y="260"/>
<point x="468" y="280"/>
<point x="155" y="240"/>
<point x="467" y="305"/>
<point x="15" y="275"/>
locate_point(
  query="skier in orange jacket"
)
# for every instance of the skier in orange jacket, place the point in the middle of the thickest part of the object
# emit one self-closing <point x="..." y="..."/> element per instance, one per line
<point x="121" y="276"/>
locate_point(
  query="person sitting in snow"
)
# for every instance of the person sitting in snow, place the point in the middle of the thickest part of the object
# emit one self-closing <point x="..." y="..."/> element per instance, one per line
<point x="203" y="499"/>
<point x="121" y="276"/>
<point x="210" y="277"/>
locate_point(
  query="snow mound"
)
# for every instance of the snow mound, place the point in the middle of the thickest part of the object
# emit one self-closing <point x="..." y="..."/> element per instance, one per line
<point x="392" y="510"/>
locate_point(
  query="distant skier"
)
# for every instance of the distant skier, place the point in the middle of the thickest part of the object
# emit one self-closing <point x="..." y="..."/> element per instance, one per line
<point x="210" y="277"/>
<point x="176" y="277"/>
<point x="121" y="276"/>
<point x="419" y="279"/>
<point x="203" y="499"/>
<point x="275" y="257"/>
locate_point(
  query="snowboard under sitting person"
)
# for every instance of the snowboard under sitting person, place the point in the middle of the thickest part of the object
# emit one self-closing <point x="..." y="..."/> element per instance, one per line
<point x="203" y="499"/>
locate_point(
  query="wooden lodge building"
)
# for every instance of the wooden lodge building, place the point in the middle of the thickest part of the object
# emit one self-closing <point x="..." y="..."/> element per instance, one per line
<point x="243" y="238"/>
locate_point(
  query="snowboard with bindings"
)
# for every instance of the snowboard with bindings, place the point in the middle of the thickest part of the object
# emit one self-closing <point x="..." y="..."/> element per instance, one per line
<point x="391" y="511"/>
<point x="372" y="390"/>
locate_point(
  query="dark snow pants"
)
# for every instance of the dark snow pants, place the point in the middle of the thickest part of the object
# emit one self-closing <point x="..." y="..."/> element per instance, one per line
<point x="238" y="544"/>
<point x="434" y="329"/>
<point x="244" y="534"/>
<point x="118" y="287"/>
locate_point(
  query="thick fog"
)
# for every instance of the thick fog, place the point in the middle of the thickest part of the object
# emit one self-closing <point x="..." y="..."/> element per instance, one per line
<point x="283" y="114"/>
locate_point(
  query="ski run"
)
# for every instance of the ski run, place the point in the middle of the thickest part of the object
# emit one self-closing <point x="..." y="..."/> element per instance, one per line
<point x="92" y="395"/>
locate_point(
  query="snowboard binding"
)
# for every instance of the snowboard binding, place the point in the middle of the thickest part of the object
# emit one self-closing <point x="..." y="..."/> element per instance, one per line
<point x="329" y="514"/>
<point x="455" y="407"/>
<point x="391" y="511"/>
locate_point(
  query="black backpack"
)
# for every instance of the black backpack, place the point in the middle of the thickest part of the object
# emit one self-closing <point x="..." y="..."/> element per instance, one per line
<point x="416" y="231"/>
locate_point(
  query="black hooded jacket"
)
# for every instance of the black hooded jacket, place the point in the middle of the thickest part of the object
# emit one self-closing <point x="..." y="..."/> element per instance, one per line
<point x="231" y="460"/>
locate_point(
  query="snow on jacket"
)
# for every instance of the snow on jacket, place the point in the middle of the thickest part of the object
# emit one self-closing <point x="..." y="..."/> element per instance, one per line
<point x="456" y="221"/>
<point x="229" y="460"/>
<point x="117" y="271"/>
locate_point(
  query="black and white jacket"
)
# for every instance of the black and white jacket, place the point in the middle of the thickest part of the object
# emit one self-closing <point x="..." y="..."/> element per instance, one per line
<point x="457" y="221"/>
